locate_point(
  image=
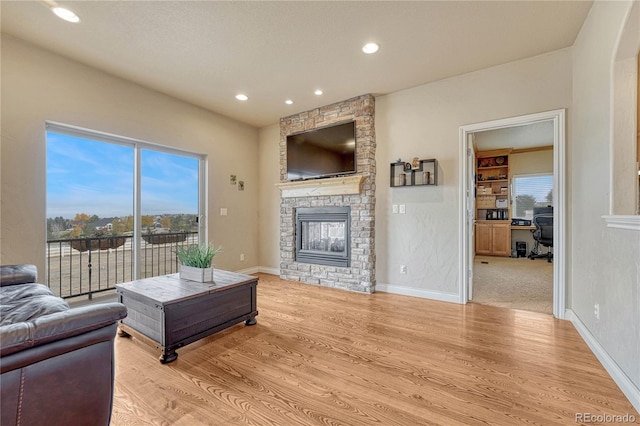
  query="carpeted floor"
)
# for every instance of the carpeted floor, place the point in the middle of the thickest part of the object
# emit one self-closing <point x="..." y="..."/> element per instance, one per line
<point x="513" y="283"/>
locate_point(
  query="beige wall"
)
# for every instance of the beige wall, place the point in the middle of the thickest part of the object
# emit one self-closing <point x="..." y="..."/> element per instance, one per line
<point x="269" y="199"/>
<point x="424" y="122"/>
<point x="605" y="268"/>
<point x="525" y="163"/>
<point x="38" y="86"/>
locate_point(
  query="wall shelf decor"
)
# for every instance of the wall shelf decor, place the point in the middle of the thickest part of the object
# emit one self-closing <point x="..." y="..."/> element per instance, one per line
<point x="406" y="174"/>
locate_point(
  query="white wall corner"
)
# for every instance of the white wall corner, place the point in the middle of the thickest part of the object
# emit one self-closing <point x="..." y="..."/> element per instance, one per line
<point x="249" y="271"/>
<point x="628" y="388"/>
<point x="269" y="270"/>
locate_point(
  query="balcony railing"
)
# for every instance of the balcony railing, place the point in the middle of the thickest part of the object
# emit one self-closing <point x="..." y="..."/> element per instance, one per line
<point x="86" y="266"/>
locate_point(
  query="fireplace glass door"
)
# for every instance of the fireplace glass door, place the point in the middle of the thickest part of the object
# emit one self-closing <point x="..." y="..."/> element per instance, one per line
<point x="322" y="235"/>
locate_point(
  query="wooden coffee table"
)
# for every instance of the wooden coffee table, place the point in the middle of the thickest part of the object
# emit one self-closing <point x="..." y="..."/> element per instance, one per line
<point x="171" y="312"/>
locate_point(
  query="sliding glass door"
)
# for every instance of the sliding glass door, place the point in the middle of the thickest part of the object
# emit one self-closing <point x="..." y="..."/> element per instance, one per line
<point x="168" y="208"/>
<point x="117" y="208"/>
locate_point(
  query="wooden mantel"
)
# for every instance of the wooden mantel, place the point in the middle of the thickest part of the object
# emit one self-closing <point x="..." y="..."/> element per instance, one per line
<point x="318" y="187"/>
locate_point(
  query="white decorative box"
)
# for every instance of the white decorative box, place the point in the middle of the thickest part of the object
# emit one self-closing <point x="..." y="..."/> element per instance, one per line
<point x="201" y="275"/>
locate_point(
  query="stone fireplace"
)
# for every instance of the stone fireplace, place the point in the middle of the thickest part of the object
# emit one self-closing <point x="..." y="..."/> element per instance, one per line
<point x="327" y="247"/>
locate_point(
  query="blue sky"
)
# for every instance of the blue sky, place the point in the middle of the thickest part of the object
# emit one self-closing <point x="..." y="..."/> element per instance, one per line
<point x="85" y="176"/>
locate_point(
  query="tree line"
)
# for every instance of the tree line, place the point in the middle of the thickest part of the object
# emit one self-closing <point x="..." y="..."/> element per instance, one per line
<point x="85" y="225"/>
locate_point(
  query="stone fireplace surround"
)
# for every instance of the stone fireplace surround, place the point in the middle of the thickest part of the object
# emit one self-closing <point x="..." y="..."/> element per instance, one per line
<point x="355" y="191"/>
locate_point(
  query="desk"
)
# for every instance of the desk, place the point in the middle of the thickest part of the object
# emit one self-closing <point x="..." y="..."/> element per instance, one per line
<point x="522" y="233"/>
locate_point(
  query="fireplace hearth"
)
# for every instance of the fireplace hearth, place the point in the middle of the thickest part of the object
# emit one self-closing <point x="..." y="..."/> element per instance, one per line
<point x="323" y="235"/>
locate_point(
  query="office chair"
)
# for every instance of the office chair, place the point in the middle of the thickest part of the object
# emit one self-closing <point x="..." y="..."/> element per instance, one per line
<point x="543" y="236"/>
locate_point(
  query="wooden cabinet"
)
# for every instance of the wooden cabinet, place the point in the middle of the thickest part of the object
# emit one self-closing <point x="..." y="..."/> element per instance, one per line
<point x="493" y="238"/>
<point x="493" y="204"/>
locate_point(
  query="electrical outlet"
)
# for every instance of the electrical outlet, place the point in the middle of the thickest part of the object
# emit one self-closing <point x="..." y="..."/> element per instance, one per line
<point x="223" y="211"/>
<point x="394" y="208"/>
<point x="403" y="209"/>
<point x="241" y="257"/>
<point x="403" y="269"/>
<point x="596" y="310"/>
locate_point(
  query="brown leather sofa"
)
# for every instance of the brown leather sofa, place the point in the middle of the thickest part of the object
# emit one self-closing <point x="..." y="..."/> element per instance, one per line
<point x="56" y="362"/>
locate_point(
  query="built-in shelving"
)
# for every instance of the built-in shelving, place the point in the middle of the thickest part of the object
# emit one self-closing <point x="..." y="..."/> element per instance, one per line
<point x="493" y="232"/>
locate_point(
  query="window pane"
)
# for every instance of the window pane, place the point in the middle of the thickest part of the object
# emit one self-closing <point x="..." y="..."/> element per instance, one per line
<point x="89" y="214"/>
<point x="530" y="192"/>
<point x="169" y="208"/>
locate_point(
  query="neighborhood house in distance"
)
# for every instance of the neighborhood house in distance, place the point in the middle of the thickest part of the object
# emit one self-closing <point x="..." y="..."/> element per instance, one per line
<point x="84" y="225"/>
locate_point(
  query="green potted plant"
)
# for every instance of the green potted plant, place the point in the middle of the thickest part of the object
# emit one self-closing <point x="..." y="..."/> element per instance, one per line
<point x="195" y="261"/>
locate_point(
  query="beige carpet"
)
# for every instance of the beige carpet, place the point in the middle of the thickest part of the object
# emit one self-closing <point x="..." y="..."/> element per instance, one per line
<point x="513" y="283"/>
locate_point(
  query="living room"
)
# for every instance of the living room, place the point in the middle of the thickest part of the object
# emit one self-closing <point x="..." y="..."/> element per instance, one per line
<point x="40" y="86"/>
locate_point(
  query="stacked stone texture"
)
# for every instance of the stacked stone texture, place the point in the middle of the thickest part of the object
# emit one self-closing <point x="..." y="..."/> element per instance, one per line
<point x="361" y="275"/>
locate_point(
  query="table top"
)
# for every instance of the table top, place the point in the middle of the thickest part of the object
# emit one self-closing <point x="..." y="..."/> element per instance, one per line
<point x="522" y="227"/>
<point x="170" y="288"/>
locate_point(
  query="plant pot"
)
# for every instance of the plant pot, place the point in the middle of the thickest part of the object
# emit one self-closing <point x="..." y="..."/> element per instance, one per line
<point x="102" y="243"/>
<point x="201" y="275"/>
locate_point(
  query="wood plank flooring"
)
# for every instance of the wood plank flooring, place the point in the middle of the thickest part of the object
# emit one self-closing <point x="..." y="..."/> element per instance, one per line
<point x="322" y="356"/>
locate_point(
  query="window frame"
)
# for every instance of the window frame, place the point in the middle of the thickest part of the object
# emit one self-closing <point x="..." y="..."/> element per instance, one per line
<point x="514" y="189"/>
<point x="138" y="145"/>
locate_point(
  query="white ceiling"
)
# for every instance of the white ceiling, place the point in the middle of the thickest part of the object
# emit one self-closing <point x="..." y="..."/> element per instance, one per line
<point x="518" y="137"/>
<point x="205" y="52"/>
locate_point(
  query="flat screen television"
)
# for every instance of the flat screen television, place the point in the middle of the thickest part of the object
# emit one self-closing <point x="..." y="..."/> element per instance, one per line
<point x="322" y="152"/>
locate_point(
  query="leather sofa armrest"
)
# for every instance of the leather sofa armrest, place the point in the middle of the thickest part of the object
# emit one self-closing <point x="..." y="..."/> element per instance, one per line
<point x="18" y="274"/>
<point x="60" y="325"/>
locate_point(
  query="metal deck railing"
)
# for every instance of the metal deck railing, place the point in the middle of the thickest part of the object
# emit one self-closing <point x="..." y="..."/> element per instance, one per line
<point x="86" y="266"/>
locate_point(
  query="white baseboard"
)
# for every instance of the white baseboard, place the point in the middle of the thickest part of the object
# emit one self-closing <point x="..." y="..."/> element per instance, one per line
<point x="628" y="388"/>
<point x="249" y="271"/>
<point x="416" y="292"/>
<point x="268" y="270"/>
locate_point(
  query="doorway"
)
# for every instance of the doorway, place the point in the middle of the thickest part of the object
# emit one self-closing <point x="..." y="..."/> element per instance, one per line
<point x="555" y="119"/>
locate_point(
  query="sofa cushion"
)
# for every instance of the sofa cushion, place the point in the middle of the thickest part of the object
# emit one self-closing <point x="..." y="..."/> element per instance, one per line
<point x="26" y="302"/>
<point x="58" y="326"/>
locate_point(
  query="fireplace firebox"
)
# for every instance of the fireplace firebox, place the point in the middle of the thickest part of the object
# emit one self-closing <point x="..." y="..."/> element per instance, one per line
<point x="323" y="235"/>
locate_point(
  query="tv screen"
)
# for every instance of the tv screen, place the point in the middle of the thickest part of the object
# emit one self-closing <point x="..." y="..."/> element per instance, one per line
<point x="322" y="152"/>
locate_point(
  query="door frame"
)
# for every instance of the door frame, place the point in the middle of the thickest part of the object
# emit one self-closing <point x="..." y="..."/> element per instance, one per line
<point x="559" y="196"/>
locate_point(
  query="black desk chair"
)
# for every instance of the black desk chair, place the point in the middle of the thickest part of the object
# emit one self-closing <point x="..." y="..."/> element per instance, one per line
<point x="543" y="236"/>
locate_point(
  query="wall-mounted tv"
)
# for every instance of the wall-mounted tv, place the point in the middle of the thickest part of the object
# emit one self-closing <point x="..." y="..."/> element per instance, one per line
<point x="322" y="152"/>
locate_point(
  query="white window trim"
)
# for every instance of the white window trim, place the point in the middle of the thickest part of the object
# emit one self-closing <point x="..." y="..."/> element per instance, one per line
<point x="526" y="175"/>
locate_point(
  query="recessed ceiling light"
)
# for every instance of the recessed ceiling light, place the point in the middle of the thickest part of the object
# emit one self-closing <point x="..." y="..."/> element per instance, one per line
<point x="66" y="14"/>
<point x="288" y="102"/>
<point x="370" y="48"/>
<point x="318" y="92"/>
<point x="241" y="97"/>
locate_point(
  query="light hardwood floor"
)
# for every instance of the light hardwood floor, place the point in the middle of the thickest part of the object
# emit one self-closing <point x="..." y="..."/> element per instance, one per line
<point x="322" y="356"/>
